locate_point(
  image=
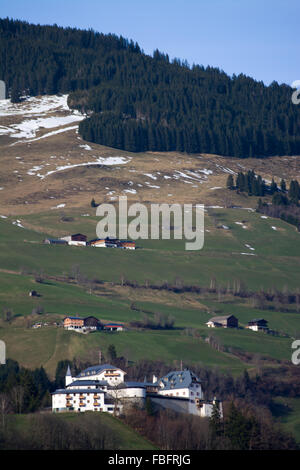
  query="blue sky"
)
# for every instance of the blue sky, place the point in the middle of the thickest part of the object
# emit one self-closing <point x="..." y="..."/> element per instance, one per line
<point x="255" y="37"/>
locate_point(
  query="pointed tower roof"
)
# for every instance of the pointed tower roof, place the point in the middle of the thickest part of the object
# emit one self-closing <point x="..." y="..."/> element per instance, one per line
<point x="69" y="371"/>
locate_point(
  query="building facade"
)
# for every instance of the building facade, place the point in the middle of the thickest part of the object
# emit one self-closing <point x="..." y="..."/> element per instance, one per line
<point x="104" y="388"/>
<point x="228" y="321"/>
<point x="76" y="240"/>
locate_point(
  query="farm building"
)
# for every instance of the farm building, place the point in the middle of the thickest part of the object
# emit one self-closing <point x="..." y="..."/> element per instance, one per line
<point x="98" y="243"/>
<point x="76" y="240"/>
<point x="73" y="323"/>
<point x="82" y="324"/>
<point x="113" y="327"/>
<point x="113" y="243"/>
<point x="55" y="241"/>
<point x="228" y="321"/>
<point x="33" y="293"/>
<point x="257" y="324"/>
<point x="92" y="323"/>
<point x="127" y="244"/>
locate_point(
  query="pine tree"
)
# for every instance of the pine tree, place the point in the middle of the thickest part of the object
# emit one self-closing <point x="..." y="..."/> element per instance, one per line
<point x="215" y="422"/>
<point x="283" y="186"/>
<point x="111" y="352"/>
<point x="230" y="182"/>
<point x="273" y="187"/>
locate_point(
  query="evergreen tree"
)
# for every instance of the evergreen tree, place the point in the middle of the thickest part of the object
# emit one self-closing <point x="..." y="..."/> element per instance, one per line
<point x="273" y="187"/>
<point x="215" y="422"/>
<point x="283" y="185"/>
<point x="230" y="182"/>
<point x="237" y="429"/>
<point x="294" y="191"/>
<point x="111" y="352"/>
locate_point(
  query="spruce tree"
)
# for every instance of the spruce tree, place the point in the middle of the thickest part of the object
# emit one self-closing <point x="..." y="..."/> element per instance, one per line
<point x="230" y="182"/>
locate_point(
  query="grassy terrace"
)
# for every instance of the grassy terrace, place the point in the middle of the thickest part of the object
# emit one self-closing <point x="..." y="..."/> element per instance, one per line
<point x="276" y="263"/>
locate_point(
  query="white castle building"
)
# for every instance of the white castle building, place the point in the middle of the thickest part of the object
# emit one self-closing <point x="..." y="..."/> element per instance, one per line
<point x="104" y="388"/>
<point x="97" y="388"/>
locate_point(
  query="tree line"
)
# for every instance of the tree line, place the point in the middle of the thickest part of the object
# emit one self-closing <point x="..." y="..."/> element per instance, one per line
<point x="139" y="102"/>
<point x="248" y="406"/>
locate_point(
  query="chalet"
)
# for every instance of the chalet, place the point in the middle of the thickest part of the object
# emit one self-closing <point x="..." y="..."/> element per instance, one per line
<point x="55" y="241"/>
<point x="98" y="243"/>
<point x="111" y="242"/>
<point x="76" y="240"/>
<point x="113" y="327"/>
<point x="73" y="323"/>
<point x="127" y="244"/>
<point x="92" y="323"/>
<point x="228" y="321"/>
<point x="258" y="324"/>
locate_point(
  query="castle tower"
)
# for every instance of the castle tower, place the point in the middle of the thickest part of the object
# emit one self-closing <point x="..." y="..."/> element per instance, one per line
<point x="68" y="378"/>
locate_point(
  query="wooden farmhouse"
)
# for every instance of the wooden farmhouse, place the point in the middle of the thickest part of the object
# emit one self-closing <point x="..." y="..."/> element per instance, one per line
<point x="257" y="324"/>
<point x="228" y="321"/>
<point x="82" y="325"/>
<point x="76" y="240"/>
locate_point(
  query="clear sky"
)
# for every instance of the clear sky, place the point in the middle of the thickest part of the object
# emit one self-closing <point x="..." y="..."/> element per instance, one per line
<point x="256" y="37"/>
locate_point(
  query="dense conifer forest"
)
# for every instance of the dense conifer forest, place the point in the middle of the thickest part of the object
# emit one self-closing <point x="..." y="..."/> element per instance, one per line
<point x="139" y="102"/>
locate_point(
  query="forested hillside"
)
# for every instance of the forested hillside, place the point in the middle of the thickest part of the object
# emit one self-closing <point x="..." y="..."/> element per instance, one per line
<point x="137" y="102"/>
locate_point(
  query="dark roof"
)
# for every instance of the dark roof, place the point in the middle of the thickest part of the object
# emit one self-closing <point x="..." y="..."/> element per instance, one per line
<point x="87" y="382"/>
<point x="221" y="318"/>
<point x="74" y="318"/>
<point x="112" y="324"/>
<point x="55" y="240"/>
<point x="134" y="385"/>
<point x="257" y="320"/>
<point x="77" y="390"/>
<point x="178" y="379"/>
<point x="96" y="370"/>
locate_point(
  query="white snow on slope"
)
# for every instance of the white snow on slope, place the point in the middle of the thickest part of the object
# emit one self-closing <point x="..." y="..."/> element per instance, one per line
<point x="109" y="161"/>
<point x="34" y="105"/>
<point x="45" y="112"/>
<point x="28" y="128"/>
<point x="250" y="247"/>
<point x="18" y="223"/>
<point x="151" y="176"/>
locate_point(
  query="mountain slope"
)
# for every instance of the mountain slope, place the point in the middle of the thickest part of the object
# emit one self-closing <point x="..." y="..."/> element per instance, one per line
<point x="142" y="103"/>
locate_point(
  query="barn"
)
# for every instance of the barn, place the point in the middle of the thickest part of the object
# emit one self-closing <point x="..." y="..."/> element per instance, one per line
<point x="227" y="321"/>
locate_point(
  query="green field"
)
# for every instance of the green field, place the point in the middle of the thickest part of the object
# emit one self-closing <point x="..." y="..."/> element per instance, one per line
<point x="275" y="262"/>
<point x="124" y="437"/>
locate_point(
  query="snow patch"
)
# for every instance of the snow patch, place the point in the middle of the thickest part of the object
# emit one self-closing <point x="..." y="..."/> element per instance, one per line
<point x="59" y="206"/>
